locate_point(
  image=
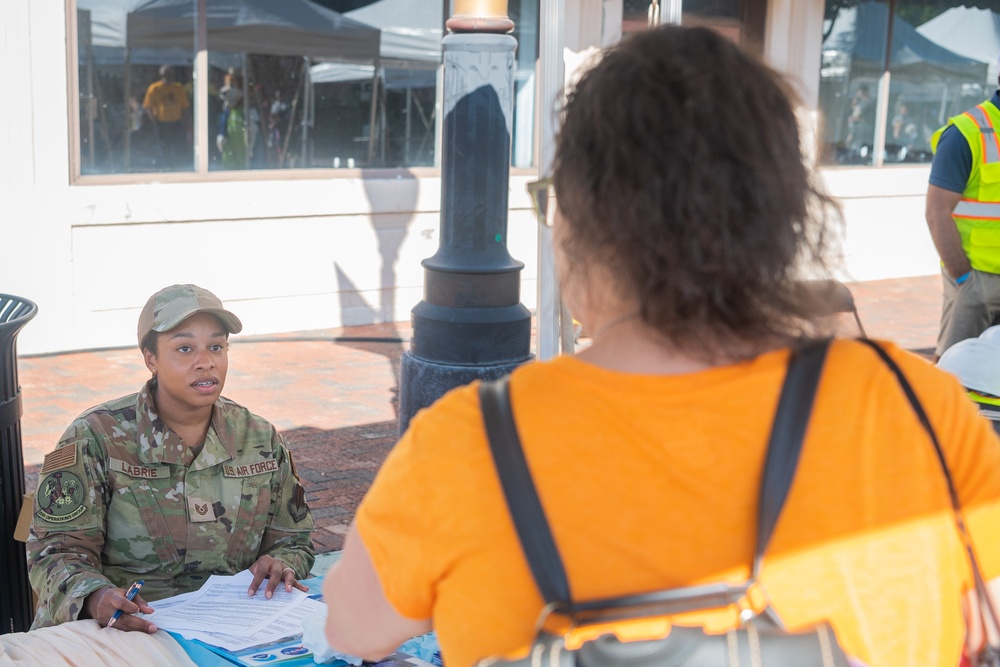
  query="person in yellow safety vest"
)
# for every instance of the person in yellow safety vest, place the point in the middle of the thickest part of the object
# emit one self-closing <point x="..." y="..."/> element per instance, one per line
<point x="963" y="215"/>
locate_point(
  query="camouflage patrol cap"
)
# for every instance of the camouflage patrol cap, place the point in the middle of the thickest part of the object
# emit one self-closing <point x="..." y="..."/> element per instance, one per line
<point x="172" y="305"/>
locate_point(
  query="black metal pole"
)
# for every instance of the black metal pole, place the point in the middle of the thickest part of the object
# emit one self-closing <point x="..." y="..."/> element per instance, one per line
<point x="15" y="601"/>
<point x="470" y="324"/>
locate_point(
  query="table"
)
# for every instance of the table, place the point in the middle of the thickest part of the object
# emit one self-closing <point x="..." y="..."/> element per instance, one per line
<point x="87" y="643"/>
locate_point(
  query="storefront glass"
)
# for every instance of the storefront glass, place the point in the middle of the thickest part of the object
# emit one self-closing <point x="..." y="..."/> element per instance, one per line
<point x="304" y="84"/>
<point x="134" y="98"/>
<point x="742" y="21"/>
<point x="903" y="68"/>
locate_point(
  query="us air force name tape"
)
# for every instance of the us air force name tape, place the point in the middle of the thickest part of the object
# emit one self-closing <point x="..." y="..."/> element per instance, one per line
<point x="252" y="469"/>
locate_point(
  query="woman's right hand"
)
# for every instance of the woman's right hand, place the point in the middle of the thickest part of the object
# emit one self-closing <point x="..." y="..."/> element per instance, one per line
<point x="102" y="604"/>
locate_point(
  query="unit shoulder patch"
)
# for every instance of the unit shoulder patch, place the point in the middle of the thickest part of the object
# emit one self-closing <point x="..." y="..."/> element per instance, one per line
<point x="60" y="497"/>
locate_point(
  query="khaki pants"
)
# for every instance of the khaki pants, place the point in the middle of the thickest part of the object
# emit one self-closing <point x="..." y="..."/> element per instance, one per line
<point x="968" y="309"/>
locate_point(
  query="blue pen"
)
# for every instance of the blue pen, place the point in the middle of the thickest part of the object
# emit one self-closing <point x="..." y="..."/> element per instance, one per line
<point x="132" y="590"/>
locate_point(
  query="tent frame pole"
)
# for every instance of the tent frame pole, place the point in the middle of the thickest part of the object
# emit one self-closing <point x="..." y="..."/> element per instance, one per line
<point x="882" y="103"/>
<point x="127" y="134"/>
<point x="551" y="73"/>
<point x="201" y="87"/>
<point x="373" y="114"/>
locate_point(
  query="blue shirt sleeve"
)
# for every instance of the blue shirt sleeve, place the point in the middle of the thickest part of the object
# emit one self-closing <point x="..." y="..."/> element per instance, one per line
<point x="952" y="161"/>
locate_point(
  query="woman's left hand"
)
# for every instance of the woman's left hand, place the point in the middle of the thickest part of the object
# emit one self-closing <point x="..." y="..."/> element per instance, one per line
<point x="275" y="571"/>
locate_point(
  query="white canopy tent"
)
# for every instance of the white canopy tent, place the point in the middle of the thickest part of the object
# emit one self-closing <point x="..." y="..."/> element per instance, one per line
<point x="858" y="32"/>
<point x="409" y="54"/>
<point x="393" y="79"/>
<point x="286" y="28"/>
<point x="409" y="32"/>
<point x="410" y="39"/>
<point x="289" y="27"/>
<point x="967" y="31"/>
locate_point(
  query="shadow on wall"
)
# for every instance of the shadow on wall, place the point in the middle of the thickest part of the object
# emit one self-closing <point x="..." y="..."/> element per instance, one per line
<point x="393" y="203"/>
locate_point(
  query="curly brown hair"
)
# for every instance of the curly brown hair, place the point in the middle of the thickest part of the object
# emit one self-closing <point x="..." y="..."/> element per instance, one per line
<point x="678" y="168"/>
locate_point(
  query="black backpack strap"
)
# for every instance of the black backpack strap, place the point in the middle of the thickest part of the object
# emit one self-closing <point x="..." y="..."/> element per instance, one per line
<point x="790" y="421"/>
<point x="522" y="498"/>
<point x="537" y="542"/>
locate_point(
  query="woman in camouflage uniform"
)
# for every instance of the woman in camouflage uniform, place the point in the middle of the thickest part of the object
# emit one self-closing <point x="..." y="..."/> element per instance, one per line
<point x="169" y="485"/>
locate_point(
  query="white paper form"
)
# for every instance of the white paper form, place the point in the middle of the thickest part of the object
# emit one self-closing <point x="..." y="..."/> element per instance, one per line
<point x="169" y="603"/>
<point x="222" y="605"/>
<point x="287" y="626"/>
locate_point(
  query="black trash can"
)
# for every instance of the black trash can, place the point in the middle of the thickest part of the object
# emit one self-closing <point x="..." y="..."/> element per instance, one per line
<point x="15" y="599"/>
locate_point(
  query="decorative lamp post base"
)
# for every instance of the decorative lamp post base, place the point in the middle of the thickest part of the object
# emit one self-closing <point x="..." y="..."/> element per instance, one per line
<point x="428" y="381"/>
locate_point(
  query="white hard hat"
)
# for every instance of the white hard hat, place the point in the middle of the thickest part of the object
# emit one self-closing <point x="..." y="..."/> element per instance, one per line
<point x="976" y="364"/>
<point x="992" y="334"/>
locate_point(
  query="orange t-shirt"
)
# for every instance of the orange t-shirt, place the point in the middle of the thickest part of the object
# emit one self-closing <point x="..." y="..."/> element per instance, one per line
<point x="166" y="101"/>
<point x="651" y="482"/>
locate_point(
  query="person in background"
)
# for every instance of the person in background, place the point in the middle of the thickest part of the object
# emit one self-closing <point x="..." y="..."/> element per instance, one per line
<point x="239" y="131"/>
<point x="682" y="231"/>
<point x="861" y="121"/>
<point x="963" y="215"/>
<point x="277" y="122"/>
<point x="169" y="485"/>
<point x="904" y="131"/>
<point x="166" y="105"/>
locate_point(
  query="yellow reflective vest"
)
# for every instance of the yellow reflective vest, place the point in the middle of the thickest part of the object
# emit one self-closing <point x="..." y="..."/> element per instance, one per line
<point x="977" y="215"/>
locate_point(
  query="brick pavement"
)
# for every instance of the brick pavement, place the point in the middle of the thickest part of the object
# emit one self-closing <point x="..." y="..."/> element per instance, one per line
<point x="333" y="393"/>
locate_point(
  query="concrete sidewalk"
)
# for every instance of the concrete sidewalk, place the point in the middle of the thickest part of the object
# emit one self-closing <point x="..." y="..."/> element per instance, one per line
<point x="333" y="393"/>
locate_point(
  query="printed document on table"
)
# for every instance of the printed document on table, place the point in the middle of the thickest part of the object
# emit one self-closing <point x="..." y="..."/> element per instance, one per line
<point x="223" y="606"/>
<point x="169" y="603"/>
<point x="284" y="628"/>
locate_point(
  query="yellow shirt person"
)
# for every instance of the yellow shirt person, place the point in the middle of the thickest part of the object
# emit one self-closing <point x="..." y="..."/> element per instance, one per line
<point x="165" y="99"/>
<point x="166" y="105"/>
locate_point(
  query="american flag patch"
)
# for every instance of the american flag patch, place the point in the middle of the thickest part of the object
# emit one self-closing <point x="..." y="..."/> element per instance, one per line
<point x="64" y="457"/>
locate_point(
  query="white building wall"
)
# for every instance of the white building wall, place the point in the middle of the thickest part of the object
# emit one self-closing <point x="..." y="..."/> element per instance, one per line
<point x="286" y="255"/>
<point x="885" y="234"/>
<point x="313" y="250"/>
<point x="35" y="247"/>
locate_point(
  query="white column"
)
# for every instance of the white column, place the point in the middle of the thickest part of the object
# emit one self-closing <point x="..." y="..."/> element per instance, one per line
<point x="550" y="84"/>
<point x="200" y="111"/>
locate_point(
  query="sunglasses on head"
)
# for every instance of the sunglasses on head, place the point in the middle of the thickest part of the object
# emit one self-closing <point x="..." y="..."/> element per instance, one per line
<point x="541" y="192"/>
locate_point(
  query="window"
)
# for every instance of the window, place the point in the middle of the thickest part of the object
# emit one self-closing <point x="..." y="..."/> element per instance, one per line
<point x="524" y="14"/>
<point x="742" y="21"/>
<point x="291" y="84"/>
<point x="894" y="72"/>
<point x="116" y="77"/>
<point x="636" y="15"/>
